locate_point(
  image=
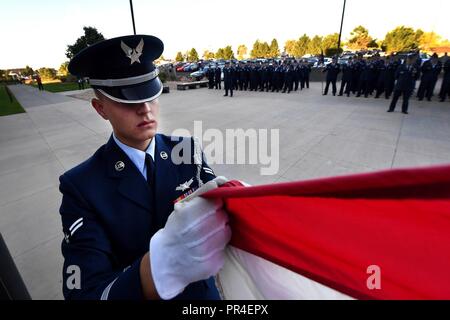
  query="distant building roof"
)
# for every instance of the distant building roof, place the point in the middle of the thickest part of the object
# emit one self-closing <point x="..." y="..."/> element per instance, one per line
<point x="440" y="49"/>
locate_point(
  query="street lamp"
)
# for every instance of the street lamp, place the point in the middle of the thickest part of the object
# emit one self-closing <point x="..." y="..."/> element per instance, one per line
<point x="342" y="22"/>
<point x="132" y="16"/>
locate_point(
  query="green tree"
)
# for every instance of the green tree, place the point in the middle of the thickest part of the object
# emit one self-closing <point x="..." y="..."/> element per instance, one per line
<point x="274" y="50"/>
<point x="192" y="55"/>
<point x="220" y="54"/>
<point x="63" y="69"/>
<point x="228" y="53"/>
<point x="47" y="73"/>
<point x="315" y="45"/>
<point x="179" y="57"/>
<point x="91" y="36"/>
<point x="289" y="47"/>
<point x="208" y="55"/>
<point x="373" y="44"/>
<point x="301" y="46"/>
<point x="241" y="51"/>
<point x="256" y="51"/>
<point x="429" y="40"/>
<point x="360" y="39"/>
<point x="28" y="71"/>
<point x="265" y="50"/>
<point x="329" y="44"/>
<point x="402" y="39"/>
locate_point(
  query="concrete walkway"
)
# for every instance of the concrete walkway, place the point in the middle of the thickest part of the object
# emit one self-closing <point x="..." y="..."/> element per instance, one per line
<point x="319" y="136"/>
<point x="30" y="97"/>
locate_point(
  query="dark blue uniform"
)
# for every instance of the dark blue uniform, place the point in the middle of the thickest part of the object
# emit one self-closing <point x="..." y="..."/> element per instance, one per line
<point x="228" y="80"/>
<point x="304" y="78"/>
<point x="366" y="78"/>
<point x="210" y="74"/>
<point x="218" y="78"/>
<point x="430" y="73"/>
<point x="288" y="79"/>
<point x="445" y="86"/>
<point x="332" y="70"/>
<point x="406" y="76"/>
<point x="381" y="77"/>
<point x="347" y="74"/>
<point x="389" y="78"/>
<point x="278" y="78"/>
<point x="117" y="213"/>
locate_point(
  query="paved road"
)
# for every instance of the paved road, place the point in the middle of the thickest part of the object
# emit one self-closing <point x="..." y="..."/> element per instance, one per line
<point x="30" y="97"/>
<point x="318" y="136"/>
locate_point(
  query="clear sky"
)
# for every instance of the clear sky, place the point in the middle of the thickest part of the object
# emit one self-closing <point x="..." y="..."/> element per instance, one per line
<point x="36" y="32"/>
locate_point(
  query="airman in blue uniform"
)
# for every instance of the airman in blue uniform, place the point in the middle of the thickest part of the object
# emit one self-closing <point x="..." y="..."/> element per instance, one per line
<point x="430" y="72"/>
<point x="347" y="73"/>
<point x="332" y="71"/>
<point x="228" y="79"/>
<point x="406" y="75"/>
<point x="122" y="227"/>
<point x="445" y="86"/>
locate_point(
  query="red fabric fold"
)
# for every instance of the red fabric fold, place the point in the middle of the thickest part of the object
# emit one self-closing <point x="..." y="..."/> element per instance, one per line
<point x="331" y="230"/>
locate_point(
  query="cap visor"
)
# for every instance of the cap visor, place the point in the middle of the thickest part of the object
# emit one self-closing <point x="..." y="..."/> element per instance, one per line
<point x="142" y="92"/>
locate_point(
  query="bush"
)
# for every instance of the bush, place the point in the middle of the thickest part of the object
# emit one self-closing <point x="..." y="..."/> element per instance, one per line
<point x="163" y="76"/>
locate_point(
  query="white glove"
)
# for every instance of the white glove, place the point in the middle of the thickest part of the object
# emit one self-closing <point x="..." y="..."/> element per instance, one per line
<point x="191" y="245"/>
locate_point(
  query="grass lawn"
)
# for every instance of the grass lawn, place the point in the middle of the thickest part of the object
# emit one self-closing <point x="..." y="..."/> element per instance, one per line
<point x="61" y="86"/>
<point x="6" y="107"/>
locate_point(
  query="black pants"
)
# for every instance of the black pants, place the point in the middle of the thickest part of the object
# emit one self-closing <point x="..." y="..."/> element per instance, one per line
<point x="228" y="87"/>
<point x="345" y="84"/>
<point x="389" y="88"/>
<point x="241" y="84"/>
<point x="363" y="88"/>
<point x="445" y="88"/>
<point x="288" y="85"/>
<point x="218" y="84"/>
<point x="422" y="88"/>
<point x="380" y="88"/>
<point x="333" y="82"/>
<point x="307" y="81"/>
<point x="397" y="94"/>
<point x="40" y="87"/>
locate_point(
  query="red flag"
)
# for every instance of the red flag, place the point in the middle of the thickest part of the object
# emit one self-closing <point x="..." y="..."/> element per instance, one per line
<point x="350" y="232"/>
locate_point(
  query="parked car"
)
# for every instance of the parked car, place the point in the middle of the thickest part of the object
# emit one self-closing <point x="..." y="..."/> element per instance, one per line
<point x="312" y="61"/>
<point x="180" y="68"/>
<point x="198" y="75"/>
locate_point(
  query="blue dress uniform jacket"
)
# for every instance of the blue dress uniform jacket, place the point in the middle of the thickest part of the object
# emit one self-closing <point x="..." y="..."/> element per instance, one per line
<point x="332" y="71"/>
<point x="406" y="75"/>
<point x="109" y="214"/>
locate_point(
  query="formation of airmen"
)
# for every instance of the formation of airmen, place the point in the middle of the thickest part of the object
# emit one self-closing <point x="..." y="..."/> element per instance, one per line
<point x="389" y="76"/>
<point x="289" y="75"/>
<point x="377" y="75"/>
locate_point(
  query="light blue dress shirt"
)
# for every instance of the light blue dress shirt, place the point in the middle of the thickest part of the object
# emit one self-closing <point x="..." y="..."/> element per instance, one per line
<point x="137" y="156"/>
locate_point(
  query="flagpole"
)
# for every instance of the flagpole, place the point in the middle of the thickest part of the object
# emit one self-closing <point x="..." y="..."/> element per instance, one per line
<point x="340" y="32"/>
<point x="132" y="16"/>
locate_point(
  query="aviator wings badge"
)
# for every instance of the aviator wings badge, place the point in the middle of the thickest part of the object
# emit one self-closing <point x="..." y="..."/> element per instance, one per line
<point x="133" y="54"/>
<point x="184" y="186"/>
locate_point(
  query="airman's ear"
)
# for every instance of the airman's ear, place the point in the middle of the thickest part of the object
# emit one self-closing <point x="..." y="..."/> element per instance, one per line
<point x="98" y="106"/>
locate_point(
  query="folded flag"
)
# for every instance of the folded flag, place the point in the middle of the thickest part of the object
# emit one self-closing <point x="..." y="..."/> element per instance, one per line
<point x="382" y="235"/>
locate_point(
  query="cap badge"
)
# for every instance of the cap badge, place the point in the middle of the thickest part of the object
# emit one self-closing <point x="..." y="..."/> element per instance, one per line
<point x="133" y="54"/>
<point x="119" y="166"/>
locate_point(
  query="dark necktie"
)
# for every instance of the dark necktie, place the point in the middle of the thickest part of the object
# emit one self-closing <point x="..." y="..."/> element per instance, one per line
<point x="149" y="163"/>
